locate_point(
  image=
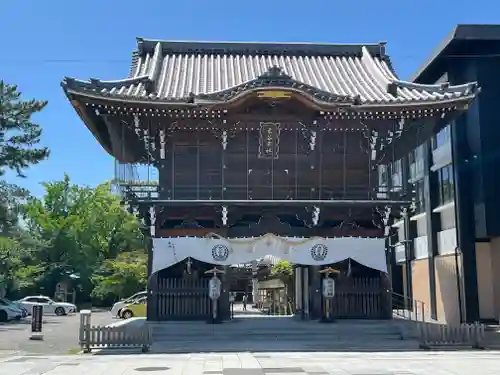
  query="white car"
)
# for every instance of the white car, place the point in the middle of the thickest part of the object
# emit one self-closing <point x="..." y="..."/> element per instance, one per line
<point x="115" y="310"/>
<point x="9" y="312"/>
<point x="49" y="306"/>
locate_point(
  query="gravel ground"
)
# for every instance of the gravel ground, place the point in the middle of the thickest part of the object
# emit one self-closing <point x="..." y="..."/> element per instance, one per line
<point x="60" y="334"/>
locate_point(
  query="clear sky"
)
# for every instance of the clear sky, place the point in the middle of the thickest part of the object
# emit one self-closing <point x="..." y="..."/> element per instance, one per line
<point x="43" y="41"/>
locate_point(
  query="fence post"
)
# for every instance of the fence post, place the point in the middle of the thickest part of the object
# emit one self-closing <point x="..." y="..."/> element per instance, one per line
<point x="423" y="311"/>
<point x="85" y="320"/>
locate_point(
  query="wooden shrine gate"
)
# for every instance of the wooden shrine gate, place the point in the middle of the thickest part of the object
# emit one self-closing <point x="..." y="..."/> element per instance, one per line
<point x="187" y="299"/>
<point x="361" y="298"/>
<point x="180" y="299"/>
<point x="183" y="299"/>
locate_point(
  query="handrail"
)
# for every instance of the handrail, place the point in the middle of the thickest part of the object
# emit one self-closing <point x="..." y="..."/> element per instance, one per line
<point x="408" y="308"/>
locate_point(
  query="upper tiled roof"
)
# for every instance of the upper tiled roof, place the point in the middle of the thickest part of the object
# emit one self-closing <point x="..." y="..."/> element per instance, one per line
<point x="173" y="71"/>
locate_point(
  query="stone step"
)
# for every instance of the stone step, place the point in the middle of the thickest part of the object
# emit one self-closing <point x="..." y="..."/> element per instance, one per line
<point x="252" y="345"/>
<point x="296" y="331"/>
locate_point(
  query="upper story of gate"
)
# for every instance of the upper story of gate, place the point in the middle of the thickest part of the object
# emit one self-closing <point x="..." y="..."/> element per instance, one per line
<point x="226" y="120"/>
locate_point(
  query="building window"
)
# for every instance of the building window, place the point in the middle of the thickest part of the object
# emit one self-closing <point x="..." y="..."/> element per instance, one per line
<point x="442" y="137"/>
<point x="446" y="186"/>
<point x="416" y="161"/>
<point x="397" y="175"/>
<point x="418" y="188"/>
<point x="383" y="175"/>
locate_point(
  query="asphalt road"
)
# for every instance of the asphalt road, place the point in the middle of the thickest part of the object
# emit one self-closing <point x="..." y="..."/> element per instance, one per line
<point x="60" y="334"/>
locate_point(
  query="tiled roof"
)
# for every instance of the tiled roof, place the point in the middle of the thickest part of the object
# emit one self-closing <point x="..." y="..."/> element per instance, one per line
<point x="173" y="71"/>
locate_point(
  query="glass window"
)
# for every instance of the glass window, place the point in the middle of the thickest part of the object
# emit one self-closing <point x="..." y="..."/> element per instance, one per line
<point x="397" y="175"/>
<point x="416" y="161"/>
<point x="442" y="137"/>
<point x="418" y="189"/>
<point x="445" y="183"/>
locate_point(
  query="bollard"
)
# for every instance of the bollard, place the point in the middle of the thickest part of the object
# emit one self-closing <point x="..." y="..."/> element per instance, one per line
<point x="36" y="322"/>
<point x="85" y="319"/>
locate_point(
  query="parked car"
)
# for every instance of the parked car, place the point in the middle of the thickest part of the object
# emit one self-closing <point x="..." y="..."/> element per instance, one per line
<point x="15" y="305"/>
<point x="49" y="305"/>
<point x="137" y="308"/>
<point x="9" y="312"/>
<point x="118" y="306"/>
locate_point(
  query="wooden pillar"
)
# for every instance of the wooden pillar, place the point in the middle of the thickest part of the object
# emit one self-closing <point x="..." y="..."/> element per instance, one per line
<point x="316" y="294"/>
<point x="255" y="284"/>
<point x="152" y="283"/>
<point x="298" y="291"/>
<point x="305" y="292"/>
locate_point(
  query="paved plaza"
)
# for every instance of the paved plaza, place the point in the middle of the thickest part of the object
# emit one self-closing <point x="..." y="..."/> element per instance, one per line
<point x="60" y="334"/>
<point x="298" y="363"/>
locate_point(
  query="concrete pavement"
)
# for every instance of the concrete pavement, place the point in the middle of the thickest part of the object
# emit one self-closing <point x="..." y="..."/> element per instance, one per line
<point x="60" y="334"/>
<point x="298" y="363"/>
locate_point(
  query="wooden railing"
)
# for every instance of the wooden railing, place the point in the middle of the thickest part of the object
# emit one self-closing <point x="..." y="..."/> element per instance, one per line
<point x="431" y="335"/>
<point x="264" y="191"/>
<point x="408" y="308"/>
<point x="100" y="337"/>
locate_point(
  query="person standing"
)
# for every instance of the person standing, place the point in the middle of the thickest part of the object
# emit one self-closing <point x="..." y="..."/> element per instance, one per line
<point x="245" y="298"/>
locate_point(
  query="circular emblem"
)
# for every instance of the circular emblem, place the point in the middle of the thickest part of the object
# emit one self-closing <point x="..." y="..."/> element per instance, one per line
<point x="319" y="252"/>
<point x="220" y="253"/>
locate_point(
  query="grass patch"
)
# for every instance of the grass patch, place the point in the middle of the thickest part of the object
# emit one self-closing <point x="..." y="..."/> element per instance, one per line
<point x="74" y="351"/>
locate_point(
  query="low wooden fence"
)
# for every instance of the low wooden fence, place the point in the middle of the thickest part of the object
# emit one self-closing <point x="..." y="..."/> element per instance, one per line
<point x="361" y="298"/>
<point x="122" y="336"/>
<point x="432" y="335"/>
<point x="181" y="299"/>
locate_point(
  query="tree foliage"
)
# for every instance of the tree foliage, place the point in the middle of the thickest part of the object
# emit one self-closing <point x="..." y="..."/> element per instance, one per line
<point x="283" y="270"/>
<point x="19" y="136"/>
<point x="79" y="231"/>
<point x="121" y="277"/>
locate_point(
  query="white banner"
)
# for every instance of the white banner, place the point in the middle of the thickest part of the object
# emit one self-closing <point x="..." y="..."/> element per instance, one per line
<point x="305" y="251"/>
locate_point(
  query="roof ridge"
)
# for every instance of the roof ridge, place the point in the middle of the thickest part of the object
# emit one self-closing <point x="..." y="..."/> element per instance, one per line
<point x="145" y="45"/>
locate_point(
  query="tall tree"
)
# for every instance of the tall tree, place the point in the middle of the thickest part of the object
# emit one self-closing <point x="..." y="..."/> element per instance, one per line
<point x="77" y="229"/>
<point x="19" y="136"/>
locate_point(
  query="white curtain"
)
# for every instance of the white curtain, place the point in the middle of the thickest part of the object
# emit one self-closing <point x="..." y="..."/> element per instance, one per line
<point x="306" y="251"/>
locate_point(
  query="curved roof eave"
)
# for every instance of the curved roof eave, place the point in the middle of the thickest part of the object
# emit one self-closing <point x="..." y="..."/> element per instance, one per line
<point x="324" y="105"/>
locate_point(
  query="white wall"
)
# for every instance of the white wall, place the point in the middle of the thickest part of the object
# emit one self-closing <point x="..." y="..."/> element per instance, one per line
<point x="421" y="247"/>
<point x="447" y="238"/>
<point x="448" y="218"/>
<point x="421" y="226"/>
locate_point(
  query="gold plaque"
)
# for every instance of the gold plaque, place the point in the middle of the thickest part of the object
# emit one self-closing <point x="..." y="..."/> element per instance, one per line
<point x="274" y="94"/>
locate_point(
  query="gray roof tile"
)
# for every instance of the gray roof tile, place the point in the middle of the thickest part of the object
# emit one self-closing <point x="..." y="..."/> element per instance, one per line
<point x="170" y="71"/>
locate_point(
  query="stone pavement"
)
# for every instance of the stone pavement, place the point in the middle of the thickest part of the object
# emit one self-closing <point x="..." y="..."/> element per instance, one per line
<point x="298" y="363"/>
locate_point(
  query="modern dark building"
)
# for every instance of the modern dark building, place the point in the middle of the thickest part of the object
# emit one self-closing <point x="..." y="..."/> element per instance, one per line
<point x="454" y="263"/>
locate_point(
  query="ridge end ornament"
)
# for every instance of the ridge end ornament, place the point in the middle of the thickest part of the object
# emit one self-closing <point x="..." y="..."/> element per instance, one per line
<point x="319" y="252"/>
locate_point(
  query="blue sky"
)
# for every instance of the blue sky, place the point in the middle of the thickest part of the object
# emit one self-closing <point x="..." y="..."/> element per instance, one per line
<point x="43" y="41"/>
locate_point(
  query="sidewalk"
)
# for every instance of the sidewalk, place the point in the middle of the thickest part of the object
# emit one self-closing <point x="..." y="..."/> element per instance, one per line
<point x="444" y="363"/>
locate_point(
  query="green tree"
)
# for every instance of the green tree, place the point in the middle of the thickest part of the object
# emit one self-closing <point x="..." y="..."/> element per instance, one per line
<point x="121" y="277"/>
<point x="12" y="198"/>
<point x="74" y="230"/>
<point x="283" y="270"/>
<point x="19" y="136"/>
